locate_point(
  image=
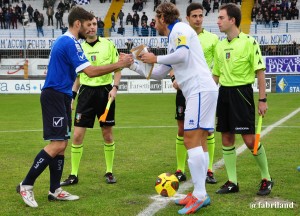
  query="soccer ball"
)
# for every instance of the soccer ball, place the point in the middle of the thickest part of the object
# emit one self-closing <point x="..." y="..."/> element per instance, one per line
<point x="166" y="184"/>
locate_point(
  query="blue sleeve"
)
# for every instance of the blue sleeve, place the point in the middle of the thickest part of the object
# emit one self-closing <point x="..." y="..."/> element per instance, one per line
<point x="76" y="56"/>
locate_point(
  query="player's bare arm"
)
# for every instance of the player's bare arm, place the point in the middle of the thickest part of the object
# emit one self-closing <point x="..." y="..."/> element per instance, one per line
<point x="113" y="93"/>
<point x="216" y="79"/>
<point x="262" y="106"/>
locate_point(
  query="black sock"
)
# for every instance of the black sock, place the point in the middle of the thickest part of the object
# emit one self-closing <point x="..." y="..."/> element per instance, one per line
<point x="40" y="163"/>
<point x="56" y="169"/>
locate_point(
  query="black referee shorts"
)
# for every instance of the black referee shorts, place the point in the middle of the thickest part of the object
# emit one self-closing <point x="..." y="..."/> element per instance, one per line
<point x="91" y="103"/>
<point x="236" y="110"/>
<point x="56" y="111"/>
<point x="180" y="105"/>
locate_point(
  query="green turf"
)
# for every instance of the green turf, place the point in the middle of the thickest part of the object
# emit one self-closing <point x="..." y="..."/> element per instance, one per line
<point x="143" y="151"/>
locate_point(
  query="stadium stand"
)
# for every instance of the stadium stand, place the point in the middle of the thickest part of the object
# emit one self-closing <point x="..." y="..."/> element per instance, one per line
<point x="104" y="9"/>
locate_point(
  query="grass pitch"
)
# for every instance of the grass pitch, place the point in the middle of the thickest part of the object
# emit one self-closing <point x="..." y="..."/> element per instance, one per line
<point x="145" y="136"/>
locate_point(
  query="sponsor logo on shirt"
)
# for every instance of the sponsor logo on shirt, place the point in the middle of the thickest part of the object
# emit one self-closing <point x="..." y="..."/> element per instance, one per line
<point x="78" y="47"/>
<point x="81" y="56"/>
<point x="241" y="128"/>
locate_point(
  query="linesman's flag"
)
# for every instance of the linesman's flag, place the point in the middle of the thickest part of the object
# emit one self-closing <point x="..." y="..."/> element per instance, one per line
<point x="82" y="2"/>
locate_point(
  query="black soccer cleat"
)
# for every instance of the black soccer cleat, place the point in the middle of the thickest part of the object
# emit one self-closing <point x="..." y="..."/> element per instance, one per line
<point x="228" y="187"/>
<point x="180" y="176"/>
<point x="210" y="179"/>
<point x="109" y="178"/>
<point x="71" y="180"/>
<point x="265" y="187"/>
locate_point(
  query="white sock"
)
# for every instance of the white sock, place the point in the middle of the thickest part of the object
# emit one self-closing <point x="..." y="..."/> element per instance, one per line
<point x="206" y="160"/>
<point x="198" y="169"/>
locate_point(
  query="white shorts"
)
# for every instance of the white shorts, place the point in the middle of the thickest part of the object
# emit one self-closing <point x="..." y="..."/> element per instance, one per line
<point x="200" y="111"/>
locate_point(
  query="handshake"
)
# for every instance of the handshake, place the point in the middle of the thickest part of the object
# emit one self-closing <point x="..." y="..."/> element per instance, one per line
<point x="139" y="54"/>
<point x="125" y="60"/>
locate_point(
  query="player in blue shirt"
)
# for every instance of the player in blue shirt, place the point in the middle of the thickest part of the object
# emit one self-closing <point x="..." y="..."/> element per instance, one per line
<point x="65" y="61"/>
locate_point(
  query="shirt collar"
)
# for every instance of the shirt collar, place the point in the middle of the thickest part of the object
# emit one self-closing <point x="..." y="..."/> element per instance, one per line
<point x="170" y="26"/>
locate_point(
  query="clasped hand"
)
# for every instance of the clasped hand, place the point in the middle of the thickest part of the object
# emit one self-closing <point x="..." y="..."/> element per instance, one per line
<point x="126" y="60"/>
<point x="149" y="58"/>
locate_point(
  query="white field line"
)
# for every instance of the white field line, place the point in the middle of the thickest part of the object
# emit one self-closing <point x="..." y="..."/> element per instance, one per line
<point x="131" y="127"/>
<point x="161" y="202"/>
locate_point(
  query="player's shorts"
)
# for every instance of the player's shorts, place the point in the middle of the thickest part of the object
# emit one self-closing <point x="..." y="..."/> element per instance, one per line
<point x="56" y="112"/>
<point x="91" y="103"/>
<point x="180" y="105"/>
<point x="236" y="110"/>
<point x="200" y="111"/>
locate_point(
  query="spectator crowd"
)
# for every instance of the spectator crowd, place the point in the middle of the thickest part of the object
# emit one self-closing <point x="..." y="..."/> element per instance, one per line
<point x="270" y="13"/>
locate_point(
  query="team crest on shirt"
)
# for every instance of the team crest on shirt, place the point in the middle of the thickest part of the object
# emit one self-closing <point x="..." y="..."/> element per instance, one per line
<point x="191" y="122"/>
<point x="228" y="55"/>
<point x="78" y="47"/>
<point x="93" y="58"/>
<point x="78" y="117"/>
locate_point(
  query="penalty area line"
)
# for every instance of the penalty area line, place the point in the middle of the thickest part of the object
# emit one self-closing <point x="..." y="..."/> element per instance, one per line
<point x="161" y="202"/>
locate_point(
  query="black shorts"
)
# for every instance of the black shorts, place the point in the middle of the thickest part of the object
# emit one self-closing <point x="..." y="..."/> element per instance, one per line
<point x="91" y="103"/>
<point x="236" y="110"/>
<point x="180" y="105"/>
<point x="56" y="112"/>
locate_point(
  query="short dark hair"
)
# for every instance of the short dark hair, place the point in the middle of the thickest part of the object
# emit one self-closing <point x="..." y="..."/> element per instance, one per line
<point x="233" y="11"/>
<point x="78" y="13"/>
<point x="193" y="6"/>
<point x="168" y="11"/>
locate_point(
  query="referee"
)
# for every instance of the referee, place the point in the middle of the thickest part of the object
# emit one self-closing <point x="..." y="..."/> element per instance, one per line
<point x="237" y="61"/>
<point x="93" y="97"/>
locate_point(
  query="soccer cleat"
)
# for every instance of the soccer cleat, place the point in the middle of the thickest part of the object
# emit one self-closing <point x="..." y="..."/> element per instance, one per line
<point x="210" y="179"/>
<point x="61" y="195"/>
<point x="185" y="200"/>
<point x="194" y="205"/>
<point x="71" y="180"/>
<point x="109" y="178"/>
<point x="26" y="191"/>
<point x="228" y="187"/>
<point x="180" y="175"/>
<point x="265" y="187"/>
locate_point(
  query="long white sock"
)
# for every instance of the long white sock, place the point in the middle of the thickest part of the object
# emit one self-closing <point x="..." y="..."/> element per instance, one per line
<point x="198" y="169"/>
<point x="206" y="160"/>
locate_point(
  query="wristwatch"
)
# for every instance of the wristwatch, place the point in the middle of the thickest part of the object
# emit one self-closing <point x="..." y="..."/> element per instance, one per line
<point x="116" y="86"/>
<point x="264" y="100"/>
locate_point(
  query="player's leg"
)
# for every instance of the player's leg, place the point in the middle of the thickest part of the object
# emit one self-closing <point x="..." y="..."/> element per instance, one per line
<point x="224" y="123"/>
<point x="56" y="149"/>
<point x="200" y="112"/>
<point x="76" y="154"/>
<point x="262" y="162"/>
<point x="181" y="152"/>
<point x="211" y="152"/>
<point x="53" y="104"/>
<point x="109" y="152"/>
<point x="84" y="118"/>
<point x="107" y="131"/>
<point x="248" y="135"/>
<point x="229" y="156"/>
